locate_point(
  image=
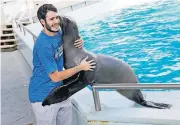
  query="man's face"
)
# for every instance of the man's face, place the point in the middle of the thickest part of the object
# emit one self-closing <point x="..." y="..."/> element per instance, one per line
<point x="52" y="21"/>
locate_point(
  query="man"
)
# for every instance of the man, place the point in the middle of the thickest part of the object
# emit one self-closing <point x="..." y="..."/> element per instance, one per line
<point x="48" y="70"/>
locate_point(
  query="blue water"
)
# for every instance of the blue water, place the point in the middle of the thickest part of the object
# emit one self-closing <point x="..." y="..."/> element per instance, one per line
<point x="147" y="37"/>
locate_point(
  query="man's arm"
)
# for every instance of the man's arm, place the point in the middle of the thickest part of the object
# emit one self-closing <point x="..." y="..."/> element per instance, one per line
<point x="84" y="65"/>
<point x="59" y="76"/>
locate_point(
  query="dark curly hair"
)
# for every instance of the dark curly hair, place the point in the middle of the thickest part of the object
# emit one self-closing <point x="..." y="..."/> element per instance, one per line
<point x="42" y="11"/>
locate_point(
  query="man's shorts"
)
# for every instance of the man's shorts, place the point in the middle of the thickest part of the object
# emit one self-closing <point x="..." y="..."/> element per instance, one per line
<point x="55" y="114"/>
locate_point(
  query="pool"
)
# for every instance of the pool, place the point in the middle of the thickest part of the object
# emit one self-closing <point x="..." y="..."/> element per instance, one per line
<point x="147" y="37"/>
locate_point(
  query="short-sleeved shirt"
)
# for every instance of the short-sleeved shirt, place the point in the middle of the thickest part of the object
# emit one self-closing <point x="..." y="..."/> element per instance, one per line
<point x="47" y="58"/>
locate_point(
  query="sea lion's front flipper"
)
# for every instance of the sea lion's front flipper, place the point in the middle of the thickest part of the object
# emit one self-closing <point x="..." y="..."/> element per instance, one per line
<point x="70" y="87"/>
<point x="156" y="105"/>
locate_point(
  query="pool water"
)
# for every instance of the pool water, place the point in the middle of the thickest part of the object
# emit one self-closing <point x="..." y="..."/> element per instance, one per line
<point x="147" y="37"/>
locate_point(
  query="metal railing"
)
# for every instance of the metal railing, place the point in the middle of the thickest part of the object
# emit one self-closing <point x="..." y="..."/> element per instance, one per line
<point x="127" y="86"/>
<point x="24" y="29"/>
<point x="85" y="3"/>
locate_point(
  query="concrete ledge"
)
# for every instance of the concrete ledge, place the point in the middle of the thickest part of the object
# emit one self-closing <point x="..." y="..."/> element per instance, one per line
<point x="117" y="109"/>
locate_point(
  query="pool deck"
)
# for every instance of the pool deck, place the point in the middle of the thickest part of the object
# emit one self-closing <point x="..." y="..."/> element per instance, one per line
<point x="15" y="106"/>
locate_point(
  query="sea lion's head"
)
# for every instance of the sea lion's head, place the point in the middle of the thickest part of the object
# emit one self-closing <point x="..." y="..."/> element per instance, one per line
<point x="69" y="28"/>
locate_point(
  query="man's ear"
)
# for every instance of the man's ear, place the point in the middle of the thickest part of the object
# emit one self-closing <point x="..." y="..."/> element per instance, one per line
<point x="42" y="22"/>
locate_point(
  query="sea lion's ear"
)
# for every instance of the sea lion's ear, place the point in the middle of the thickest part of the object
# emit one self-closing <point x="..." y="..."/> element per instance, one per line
<point x="74" y="27"/>
<point x="62" y="21"/>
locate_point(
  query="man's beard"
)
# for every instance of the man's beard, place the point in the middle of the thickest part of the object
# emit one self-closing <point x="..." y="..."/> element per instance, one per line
<point x="49" y="28"/>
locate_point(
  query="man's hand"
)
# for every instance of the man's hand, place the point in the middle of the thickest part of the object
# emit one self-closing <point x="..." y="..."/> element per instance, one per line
<point x="79" y="43"/>
<point x="87" y="65"/>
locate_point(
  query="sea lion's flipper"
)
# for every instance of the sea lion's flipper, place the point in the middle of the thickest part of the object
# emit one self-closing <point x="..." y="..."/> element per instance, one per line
<point x="136" y="96"/>
<point x="56" y="95"/>
<point x="70" y="87"/>
<point x="156" y="105"/>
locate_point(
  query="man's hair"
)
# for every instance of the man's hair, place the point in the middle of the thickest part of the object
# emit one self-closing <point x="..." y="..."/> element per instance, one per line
<point x="42" y="11"/>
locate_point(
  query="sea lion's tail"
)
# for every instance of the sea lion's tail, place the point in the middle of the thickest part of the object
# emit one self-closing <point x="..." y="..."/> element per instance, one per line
<point x="136" y="96"/>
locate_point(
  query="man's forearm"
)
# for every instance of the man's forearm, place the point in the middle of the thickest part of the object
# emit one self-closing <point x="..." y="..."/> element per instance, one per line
<point x="59" y="76"/>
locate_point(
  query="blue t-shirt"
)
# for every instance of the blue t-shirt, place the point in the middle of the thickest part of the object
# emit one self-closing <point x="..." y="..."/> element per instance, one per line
<point x="47" y="58"/>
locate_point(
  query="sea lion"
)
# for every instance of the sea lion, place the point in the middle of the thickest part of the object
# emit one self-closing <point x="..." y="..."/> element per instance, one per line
<point x="108" y="70"/>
